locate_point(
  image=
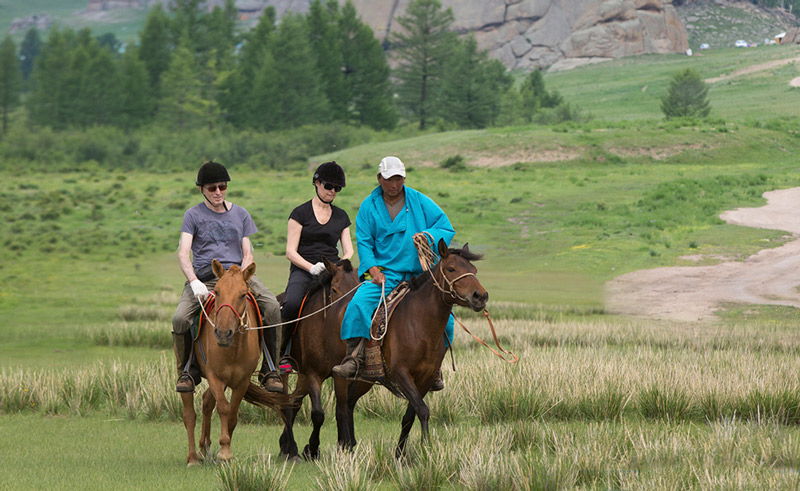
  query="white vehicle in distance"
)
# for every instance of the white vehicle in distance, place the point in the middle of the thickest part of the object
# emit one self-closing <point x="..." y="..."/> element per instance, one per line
<point x="705" y="46"/>
<point x="741" y="43"/>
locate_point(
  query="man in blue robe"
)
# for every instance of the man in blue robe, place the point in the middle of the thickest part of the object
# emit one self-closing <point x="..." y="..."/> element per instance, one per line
<point x="386" y="224"/>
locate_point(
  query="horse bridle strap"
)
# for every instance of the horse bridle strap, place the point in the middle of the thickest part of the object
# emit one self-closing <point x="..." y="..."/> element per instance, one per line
<point x="243" y="325"/>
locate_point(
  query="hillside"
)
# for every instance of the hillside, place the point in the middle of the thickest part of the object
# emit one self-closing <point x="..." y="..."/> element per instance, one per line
<point x="722" y="24"/>
<point x="522" y="34"/>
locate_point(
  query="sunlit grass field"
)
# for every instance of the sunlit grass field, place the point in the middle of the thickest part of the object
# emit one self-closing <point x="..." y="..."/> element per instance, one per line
<point x="90" y="281"/>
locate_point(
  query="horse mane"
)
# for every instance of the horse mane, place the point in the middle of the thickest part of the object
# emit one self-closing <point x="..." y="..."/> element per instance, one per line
<point x="417" y="281"/>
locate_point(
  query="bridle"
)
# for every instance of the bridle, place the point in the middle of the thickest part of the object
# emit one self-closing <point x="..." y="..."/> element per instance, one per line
<point x="244" y="318"/>
<point x="451" y="290"/>
<point x="427" y="259"/>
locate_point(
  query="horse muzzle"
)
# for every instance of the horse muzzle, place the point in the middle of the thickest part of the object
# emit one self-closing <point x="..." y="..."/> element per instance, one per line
<point x="477" y="301"/>
<point x="224" y="337"/>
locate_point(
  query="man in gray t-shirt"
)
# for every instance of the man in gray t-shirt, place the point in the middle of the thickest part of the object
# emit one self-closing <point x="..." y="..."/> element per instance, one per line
<point x="216" y="229"/>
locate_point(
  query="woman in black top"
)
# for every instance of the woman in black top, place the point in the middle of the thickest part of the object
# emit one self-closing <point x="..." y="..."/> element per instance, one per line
<point x="315" y="228"/>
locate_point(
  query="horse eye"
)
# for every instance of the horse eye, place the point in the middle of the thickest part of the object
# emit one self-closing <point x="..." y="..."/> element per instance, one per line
<point x="451" y="269"/>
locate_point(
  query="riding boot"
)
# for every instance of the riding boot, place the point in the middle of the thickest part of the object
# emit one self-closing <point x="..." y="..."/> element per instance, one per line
<point x="270" y="379"/>
<point x="352" y="363"/>
<point x="183" y="353"/>
<point x="438" y="382"/>
<point x="284" y="358"/>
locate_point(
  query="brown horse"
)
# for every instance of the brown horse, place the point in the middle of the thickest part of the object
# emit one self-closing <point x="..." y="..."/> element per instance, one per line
<point x="316" y="348"/>
<point x="227" y="352"/>
<point x="414" y="344"/>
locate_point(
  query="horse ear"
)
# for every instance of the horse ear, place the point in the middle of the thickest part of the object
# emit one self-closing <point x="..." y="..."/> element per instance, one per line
<point x="443" y="252"/>
<point x="465" y="249"/>
<point x="217" y="268"/>
<point x="329" y="265"/>
<point x="249" y="271"/>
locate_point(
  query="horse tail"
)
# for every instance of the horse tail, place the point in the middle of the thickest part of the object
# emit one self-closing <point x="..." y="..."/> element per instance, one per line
<point x="258" y="396"/>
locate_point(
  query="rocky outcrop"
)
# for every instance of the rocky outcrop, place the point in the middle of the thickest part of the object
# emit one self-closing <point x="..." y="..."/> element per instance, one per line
<point x="39" y="22"/>
<point x="539" y="33"/>
<point x="527" y="33"/>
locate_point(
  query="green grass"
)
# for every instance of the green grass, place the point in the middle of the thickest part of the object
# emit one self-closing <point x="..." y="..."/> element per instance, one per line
<point x="631" y="88"/>
<point x="90" y="277"/>
<point x="125" y="24"/>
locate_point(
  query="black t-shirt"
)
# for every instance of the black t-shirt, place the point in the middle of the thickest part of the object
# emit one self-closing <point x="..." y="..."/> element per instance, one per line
<point x="318" y="240"/>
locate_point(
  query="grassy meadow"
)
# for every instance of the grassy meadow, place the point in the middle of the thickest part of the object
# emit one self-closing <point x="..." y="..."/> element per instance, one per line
<point x="90" y="281"/>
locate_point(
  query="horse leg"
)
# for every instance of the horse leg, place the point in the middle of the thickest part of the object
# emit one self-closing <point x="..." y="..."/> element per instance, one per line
<point x="189" y="421"/>
<point x="311" y="451"/>
<point x="405" y="429"/>
<point x="236" y="401"/>
<point x="287" y="441"/>
<point x="217" y="388"/>
<point x="347" y="395"/>
<point x="205" y="434"/>
<point x="416" y="406"/>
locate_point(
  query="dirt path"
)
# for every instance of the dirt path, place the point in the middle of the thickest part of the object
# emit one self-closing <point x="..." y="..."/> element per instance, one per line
<point x="754" y="68"/>
<point x="693" y="293"/>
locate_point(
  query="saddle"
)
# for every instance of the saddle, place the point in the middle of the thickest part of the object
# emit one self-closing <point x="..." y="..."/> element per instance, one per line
<point x="374" y="366"/>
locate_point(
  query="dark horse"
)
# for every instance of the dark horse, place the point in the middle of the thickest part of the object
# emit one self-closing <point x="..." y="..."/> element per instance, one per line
<point x="316" y="347"/>
<point x="414" y="345"/>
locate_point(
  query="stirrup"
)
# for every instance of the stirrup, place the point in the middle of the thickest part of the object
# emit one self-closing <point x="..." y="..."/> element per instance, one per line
<point x="271" y="381"/>
<point x="181" y="385"/>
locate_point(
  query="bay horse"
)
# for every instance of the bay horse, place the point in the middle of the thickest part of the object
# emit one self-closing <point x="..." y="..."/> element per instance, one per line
<point x="228" y="354"/>
<point x="316" y="348"/>
<point x="414" y="344"/>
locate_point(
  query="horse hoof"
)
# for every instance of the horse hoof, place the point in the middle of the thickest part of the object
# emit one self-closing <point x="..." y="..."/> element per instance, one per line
<point x="309" y="455"/>
<point x="294" y="459"/>
<point x="224" y="455"/>
<point x="194" y="463"/>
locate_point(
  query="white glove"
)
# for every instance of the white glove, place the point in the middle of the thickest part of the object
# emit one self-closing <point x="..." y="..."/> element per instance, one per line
<point x="317" y="269"/>
<point x="199" y="289"/>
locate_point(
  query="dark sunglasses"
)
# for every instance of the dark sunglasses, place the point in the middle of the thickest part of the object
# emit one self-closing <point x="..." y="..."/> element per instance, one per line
<point x="213" y="188"/>
<point x="329" y="186"/>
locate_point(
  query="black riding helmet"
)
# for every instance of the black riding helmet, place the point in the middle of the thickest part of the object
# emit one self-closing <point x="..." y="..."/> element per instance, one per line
<point x="329" y="172"/>
<point x="212" y="172"/>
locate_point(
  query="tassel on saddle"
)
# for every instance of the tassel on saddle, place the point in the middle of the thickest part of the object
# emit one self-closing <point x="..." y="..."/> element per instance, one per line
<point x="374" y="367"/>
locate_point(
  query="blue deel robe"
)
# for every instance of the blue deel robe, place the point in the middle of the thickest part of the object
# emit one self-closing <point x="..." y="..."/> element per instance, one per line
<point x="390" y="246"/>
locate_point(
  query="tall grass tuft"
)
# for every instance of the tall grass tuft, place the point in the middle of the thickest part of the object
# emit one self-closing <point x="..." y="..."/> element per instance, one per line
<point x="347" y="471"/>
<point x="254" y="473"/>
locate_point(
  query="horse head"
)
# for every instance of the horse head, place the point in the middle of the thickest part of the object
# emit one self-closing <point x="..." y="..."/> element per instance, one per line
<point x="343" y="277"/>
<point x="458" y="277"/>
<point x="230" y="312"/>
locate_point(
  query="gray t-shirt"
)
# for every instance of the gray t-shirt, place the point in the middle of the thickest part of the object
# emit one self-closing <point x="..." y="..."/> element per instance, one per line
<point x="217" y="235"/>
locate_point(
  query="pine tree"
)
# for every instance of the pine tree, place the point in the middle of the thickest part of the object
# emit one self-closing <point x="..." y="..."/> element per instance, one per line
<point x="422" y="51"/>
<point x="237" y="92"/>
<point x="136" y="102"/>
<point x="687" y="96"/>
<point x="366" y="73"/>
<point x="155" y="47"/>
<point x="326" y="45"/>
<point x="302" y="100"/>
<point x="100" y="85"/>
<point x="49" y="101"/>
<point x="220" y="35"/>
<point x="535" y="96"/>
<point x="10" y="78"/>
<point x="473" y="87"/>
<point x="181" y="104"/>
<point x="29" y="49"/>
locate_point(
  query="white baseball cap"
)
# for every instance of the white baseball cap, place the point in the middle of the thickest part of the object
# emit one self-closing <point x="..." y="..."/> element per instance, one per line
<point x="391" y="166"/>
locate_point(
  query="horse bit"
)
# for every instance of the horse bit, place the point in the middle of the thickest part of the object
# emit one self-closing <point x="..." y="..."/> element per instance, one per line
<point x="241" y="328"/>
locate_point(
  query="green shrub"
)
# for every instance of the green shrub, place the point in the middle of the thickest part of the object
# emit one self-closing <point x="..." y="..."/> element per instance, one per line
<point x="687" y="96"/>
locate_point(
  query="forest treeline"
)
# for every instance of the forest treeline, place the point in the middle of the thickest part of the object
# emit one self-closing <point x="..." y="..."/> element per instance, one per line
<point x="192" y="69"/>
